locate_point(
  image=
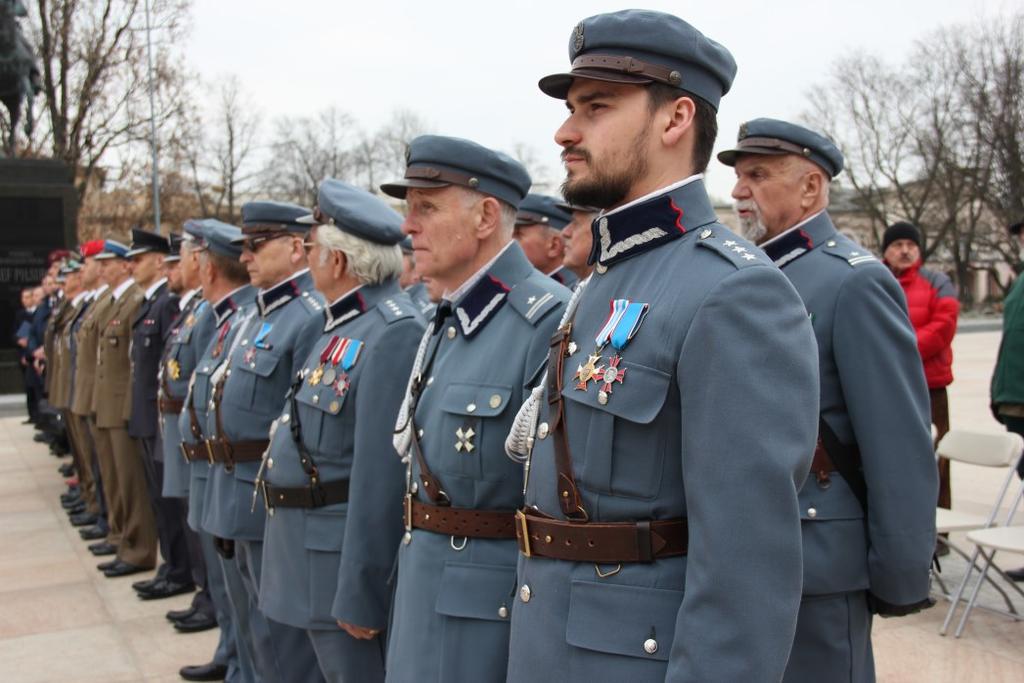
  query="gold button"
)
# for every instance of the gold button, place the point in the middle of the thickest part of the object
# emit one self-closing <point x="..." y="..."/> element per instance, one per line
<point x="495" y="401"/>
<point x="471" y="408"/>
<point x="525" y="593"/>
<point x="451" y="333"/>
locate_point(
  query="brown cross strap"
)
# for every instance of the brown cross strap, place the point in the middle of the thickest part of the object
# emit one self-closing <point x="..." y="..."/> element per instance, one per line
<point x="604" y="542"/>
<point x="172" y="406"/>
<point x="568" y="494"/>
<point x="459" y="522"/>
<point x="194" y="452"/>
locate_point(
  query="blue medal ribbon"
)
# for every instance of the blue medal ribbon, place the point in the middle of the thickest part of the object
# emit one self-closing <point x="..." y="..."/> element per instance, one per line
<point x="624" y="320"/>
<point x="261" y="336"/>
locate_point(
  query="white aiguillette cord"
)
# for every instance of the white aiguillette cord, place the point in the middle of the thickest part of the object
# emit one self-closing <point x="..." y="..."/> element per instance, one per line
<point x="519" y="443"/>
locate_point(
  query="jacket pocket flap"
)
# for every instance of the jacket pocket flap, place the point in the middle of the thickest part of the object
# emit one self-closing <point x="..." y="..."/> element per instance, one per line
<point x="481" y="400"/>
<point x="325" y="531"/>
<point x="322" y="398"/>
<point x="475" y="591"/>
<point x="262" y="365"/>
<point x="637" y="398"/>
<point x="621" y="619"/>
<point x="835" y="502"/>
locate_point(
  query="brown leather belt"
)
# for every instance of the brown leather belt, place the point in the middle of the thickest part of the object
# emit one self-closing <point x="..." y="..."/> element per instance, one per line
<point x="312" y="496"/>
<point x="463" y="522"/>
<point x="172" y="406"/>
<point x="603" y="542"/>
<point x="822" y="465"/>
<point x="231" y="452"/>
<point x="194" y="452"/>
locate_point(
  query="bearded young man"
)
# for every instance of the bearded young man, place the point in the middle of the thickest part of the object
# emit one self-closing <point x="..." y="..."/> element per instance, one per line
<point x="660" y="537"/>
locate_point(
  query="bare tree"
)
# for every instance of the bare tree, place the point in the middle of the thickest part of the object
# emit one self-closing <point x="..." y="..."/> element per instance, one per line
<point x="93" y="61"/>
<point x="307" y="149"/>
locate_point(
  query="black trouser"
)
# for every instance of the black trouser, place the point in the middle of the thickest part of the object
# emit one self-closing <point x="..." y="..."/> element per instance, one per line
<point x="169" y="515"/>
<point x="1016" y="425"/>
<point x="201" y="600"/>
<point x="33" y="392"/>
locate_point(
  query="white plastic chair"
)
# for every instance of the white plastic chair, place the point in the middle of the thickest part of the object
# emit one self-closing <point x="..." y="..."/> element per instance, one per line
<point x="984" y="450"/>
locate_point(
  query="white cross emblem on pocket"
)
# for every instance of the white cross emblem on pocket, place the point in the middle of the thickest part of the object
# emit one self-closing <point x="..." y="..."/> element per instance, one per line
<point x="465" y="439"/>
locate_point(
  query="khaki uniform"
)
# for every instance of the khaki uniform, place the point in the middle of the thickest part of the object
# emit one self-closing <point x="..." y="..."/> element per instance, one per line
<point x="112" y="405"/>
<point x="83" y="418"/>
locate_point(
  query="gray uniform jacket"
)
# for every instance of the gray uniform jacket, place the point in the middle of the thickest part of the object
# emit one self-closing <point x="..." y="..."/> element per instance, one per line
<point x="565" y="277"/>
<point x="714" y="420"/>
<point x="448" y="622"/>
<point x="275" y="343"/>
<point x="346" y="425"/>
<point x="873" y="393"/>
<point x="188" y="338"/>
<point x="213" y="335"/>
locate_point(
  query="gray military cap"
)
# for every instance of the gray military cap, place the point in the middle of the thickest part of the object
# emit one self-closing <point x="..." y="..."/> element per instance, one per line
<point x="355" y="211"/>
<point x="538" y="209"/>
<point x="642" y="47"/>
<point x="438" y="161"/>
<point x="775" y="137"/>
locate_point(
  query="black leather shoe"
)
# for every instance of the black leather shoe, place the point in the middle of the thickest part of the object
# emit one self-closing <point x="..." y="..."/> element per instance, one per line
<point x="166" y="589"/>
<point x="179" y="614"/>
<point x="195" y="623"/>
<point x="146" y="584"/>
<point x="73" y="493"/>
<point x="204" y="672"/>
<point x="72" y="502"/>
<point x="102" y="548"/>
<point x="1015" y="574"/>
<point x="109" y="564"/>
<point x="92" y="533"/>
<point x="123" y="569"/>
<point x="83" y="519"/>
<point x="75" y="508"/>
<point x="66" y="470"/>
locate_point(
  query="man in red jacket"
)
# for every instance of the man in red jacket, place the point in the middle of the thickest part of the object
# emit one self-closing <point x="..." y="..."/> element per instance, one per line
<point x="933" y="306"/>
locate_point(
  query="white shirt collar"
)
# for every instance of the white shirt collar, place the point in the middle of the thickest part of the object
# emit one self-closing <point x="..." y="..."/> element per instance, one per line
<point x="795" y="227"/>
<point x="122" y="287"/>
<point x="475" y="277"/>
<point x="98" y="292"/>
<point x="78" y="297"/>
<point x="155" y="286"/>
<point x="651" y="195"/>
<point x="186" y="297"/>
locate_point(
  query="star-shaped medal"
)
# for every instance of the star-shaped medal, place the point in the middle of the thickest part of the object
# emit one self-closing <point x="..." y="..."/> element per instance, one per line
<point x="588" y="372"/>
<point x="173" y="368"/>
<point x="610" y="374"/>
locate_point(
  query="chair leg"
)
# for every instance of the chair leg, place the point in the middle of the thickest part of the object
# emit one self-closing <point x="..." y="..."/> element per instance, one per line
<point x="955" y="602"/>
<point x="974" y="594"/>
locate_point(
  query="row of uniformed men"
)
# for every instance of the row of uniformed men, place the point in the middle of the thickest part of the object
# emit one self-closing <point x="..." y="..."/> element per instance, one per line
<point x="655" y="519"/>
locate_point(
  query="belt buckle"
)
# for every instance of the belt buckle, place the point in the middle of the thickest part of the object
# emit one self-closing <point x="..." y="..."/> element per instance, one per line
<point x="209" y="451"/>
<point x="407" y="505"/>
<point x="524" y="533"/>
<point x="183" y="447"/>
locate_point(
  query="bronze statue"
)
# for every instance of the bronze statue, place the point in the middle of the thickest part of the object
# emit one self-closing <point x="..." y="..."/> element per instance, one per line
<point x="19" y="73"/>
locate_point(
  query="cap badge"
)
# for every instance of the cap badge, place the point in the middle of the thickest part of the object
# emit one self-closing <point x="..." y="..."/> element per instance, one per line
<point x="743" y="131"/>
<point x="577" y="40"/>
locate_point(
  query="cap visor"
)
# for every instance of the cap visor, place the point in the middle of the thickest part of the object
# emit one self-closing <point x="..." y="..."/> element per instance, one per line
<point x="397" y="188"/>
<point x="105" y="256"/>
<point x="306" y="220"/>
<point x="135" y="252"/>
<point x="557" y="85"/>
<point x="729" y="156"/>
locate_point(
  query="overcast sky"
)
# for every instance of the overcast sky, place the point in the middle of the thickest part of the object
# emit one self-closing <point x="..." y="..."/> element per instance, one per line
<point x="471" y="68"/>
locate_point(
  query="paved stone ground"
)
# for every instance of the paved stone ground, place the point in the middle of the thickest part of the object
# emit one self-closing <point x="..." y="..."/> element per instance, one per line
<point x="60" y="620"/>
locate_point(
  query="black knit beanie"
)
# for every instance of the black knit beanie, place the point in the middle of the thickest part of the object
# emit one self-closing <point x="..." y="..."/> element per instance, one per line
<point x="901" y="231"/>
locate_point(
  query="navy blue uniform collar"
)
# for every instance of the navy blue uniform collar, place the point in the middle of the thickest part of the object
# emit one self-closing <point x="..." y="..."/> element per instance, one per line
<point x="275" y="297"/>
<point x="648" y="224"/>
<point x="358" y="301"/>
<point x="223" y="309"/>
<point x="484" y="299"/>
<point x="800" y="240"/>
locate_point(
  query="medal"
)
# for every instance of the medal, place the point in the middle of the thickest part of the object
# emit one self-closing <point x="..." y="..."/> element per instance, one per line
<point x="250" y="355"/>
<point x="329" y="376"/>
<point x="587" y="371"/>
<point x="173" y="369"/>
<point x="341" y="385"/>
<point x="219" y="348"/>
<point x="317" y="375"/>
<point x="624" y="319"/>
<point x="260" y="341"/>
